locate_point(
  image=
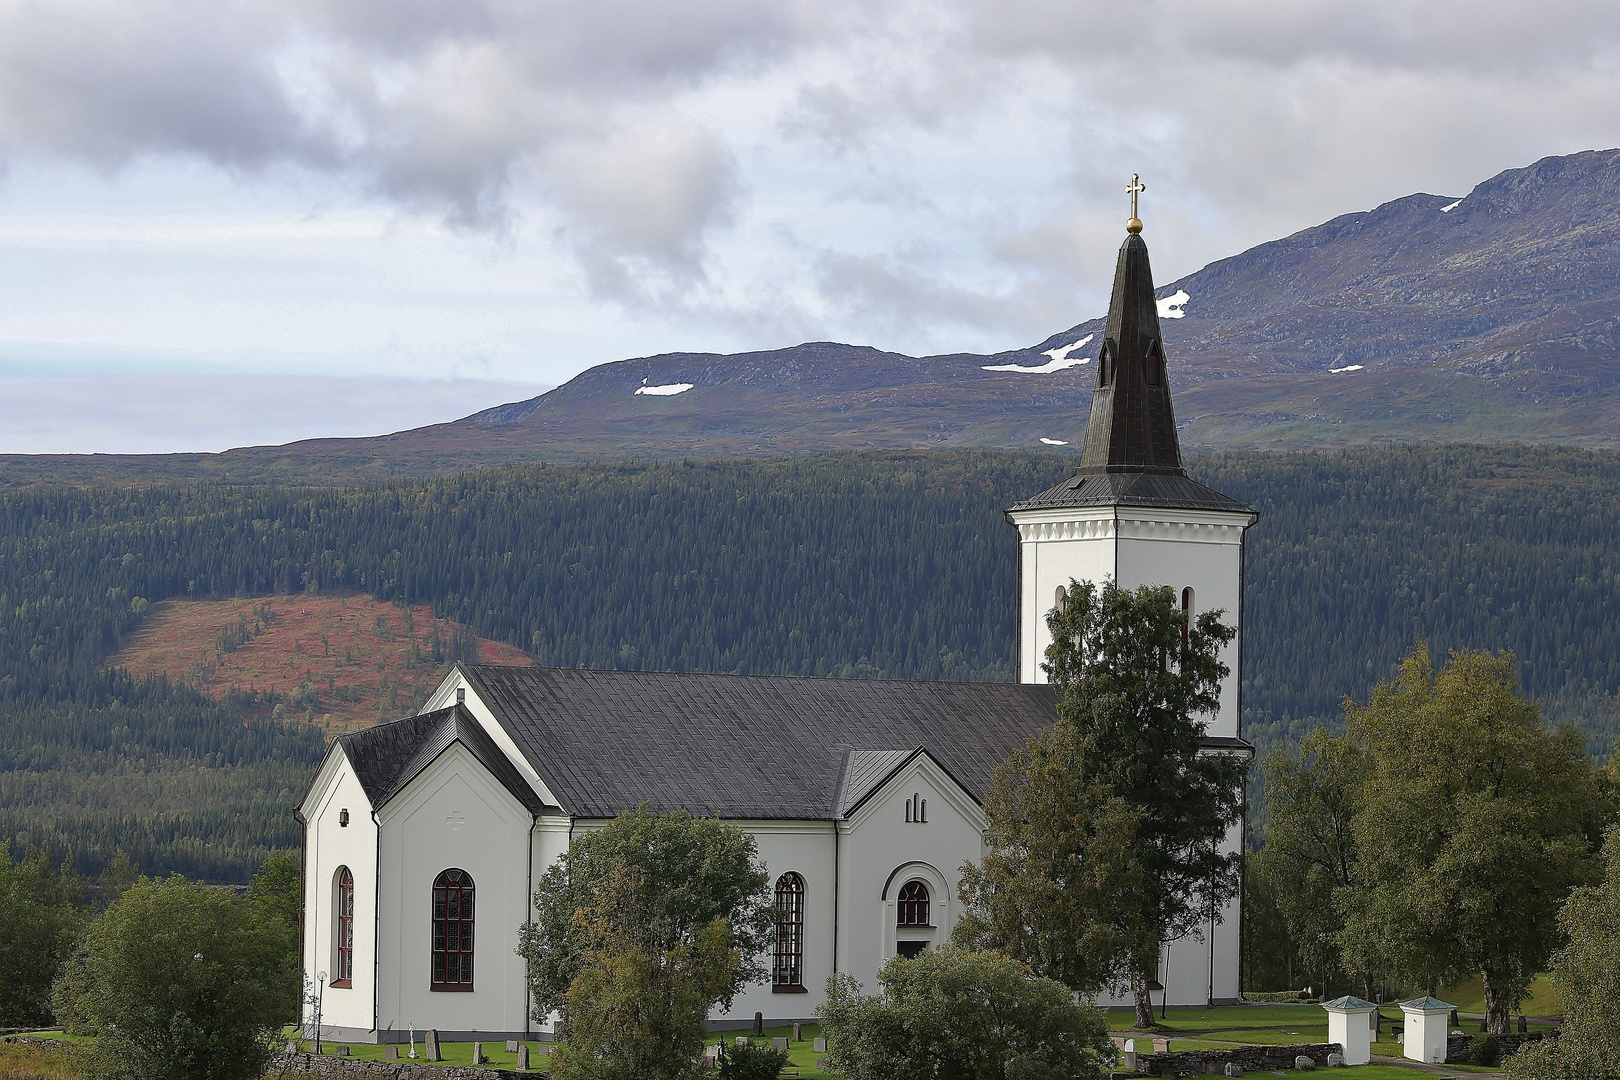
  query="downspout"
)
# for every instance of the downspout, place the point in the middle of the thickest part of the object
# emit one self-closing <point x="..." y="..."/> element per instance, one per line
<point x="376" y="921"/>
<point x="303" y="868"/>
<point x="837" y="897"/>
<point x="528" y="902"/>
<point x="1243" y="819"/>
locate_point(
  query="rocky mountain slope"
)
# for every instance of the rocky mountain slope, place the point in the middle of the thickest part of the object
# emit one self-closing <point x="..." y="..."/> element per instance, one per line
<point x="1489" y="317"/>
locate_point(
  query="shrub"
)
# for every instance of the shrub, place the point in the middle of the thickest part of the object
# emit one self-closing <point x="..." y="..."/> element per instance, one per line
<point x="751" y="1062"/>
<point x="179" y="981"/>
<point x="969" y="1015"/>
<point x="1485" y="1050"/>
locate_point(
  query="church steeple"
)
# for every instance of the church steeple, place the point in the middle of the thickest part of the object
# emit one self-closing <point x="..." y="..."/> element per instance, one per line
<point x="1132" y="426"/>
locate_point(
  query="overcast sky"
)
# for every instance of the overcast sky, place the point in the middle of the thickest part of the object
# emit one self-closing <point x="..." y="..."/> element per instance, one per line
<point x="472" y="198"/>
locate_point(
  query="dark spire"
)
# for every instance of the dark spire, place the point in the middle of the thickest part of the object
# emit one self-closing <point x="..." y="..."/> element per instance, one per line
<point x="1132" y="426"/>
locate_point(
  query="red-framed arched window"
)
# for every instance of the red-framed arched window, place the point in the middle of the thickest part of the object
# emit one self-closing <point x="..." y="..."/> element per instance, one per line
<point x="788" y="969"/>
<point x="343" y="941"/>
<point x="913" y="905"/>
<point x="452" y="931"/>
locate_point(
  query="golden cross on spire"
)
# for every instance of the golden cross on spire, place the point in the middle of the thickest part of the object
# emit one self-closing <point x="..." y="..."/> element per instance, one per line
<point x="1133" y="189"/>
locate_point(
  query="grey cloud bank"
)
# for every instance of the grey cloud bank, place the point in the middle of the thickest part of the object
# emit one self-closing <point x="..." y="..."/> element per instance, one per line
<point x="734" y="174"/>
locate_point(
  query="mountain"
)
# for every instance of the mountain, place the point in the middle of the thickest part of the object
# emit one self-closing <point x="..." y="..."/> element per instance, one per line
<point x="1490" y="317"/>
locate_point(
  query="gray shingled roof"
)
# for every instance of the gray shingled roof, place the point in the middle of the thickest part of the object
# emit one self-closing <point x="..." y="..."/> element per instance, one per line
<point x="864" y="772"/>
<point x="742" y="746"/>
<point x="389" y="756"/>
<point x="1166" y="490"/>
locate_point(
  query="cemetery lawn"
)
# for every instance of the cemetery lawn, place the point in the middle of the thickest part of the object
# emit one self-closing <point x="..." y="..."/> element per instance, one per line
<point x="1469" y="997"/>
<point x="801" y="1055"/>
<point x="450" y="1053"/>
<point x="1264" y="1025"/>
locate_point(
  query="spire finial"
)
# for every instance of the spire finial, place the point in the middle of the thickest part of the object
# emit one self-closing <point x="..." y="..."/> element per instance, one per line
<point x="1133" y="189"/>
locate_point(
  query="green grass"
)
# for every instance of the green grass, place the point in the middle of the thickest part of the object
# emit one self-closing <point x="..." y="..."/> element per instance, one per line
<point x="801" y="1055"/>
<point x="1469" y="996"/>
<point x="496" y="1055"/>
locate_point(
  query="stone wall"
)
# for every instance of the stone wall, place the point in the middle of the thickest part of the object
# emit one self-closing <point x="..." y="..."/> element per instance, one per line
<point x="1249" y="1058"/>
<point x="1458" y="1047"/>
<point x="341" y="1068"/>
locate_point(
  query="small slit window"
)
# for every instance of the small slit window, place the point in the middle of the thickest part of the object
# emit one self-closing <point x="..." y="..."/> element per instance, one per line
<point x="452" y="931"/>
<point x="1186" y="615"/>
<point x="913" y="905"/>
<point x="789" y="967"/>
<point x="343" y="939"/>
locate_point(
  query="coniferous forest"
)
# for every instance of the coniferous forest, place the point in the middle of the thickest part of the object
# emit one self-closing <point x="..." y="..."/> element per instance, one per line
<point x="881" y="565"/>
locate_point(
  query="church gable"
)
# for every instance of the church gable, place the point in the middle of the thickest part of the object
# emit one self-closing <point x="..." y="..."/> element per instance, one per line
<point x="386" y="758"/>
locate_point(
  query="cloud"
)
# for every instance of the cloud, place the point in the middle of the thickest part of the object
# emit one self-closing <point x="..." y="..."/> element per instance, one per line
<point x="934" y="175"/>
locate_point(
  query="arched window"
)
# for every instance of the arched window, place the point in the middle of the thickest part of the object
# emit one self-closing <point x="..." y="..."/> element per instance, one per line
<point x="1061" y="601"/>
<point x="452" y="931"/>
<point x="343" y="940"/>
<point x="1186" y="614"/>
<point x="789" y="967"/>
<point x="913" y="905"/>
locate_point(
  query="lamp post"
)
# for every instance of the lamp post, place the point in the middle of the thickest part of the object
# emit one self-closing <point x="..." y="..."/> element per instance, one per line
<point x="320" y="999"/>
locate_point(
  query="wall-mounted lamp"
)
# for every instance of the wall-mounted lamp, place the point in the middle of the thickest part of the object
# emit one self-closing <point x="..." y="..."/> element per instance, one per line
<point x="343" y="819"/>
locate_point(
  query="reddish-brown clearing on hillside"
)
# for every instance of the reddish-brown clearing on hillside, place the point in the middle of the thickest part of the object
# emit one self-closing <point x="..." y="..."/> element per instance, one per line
<point x="339" y="661"/>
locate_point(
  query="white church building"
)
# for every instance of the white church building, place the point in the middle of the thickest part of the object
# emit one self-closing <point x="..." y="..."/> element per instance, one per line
<point x="424" y="838"/>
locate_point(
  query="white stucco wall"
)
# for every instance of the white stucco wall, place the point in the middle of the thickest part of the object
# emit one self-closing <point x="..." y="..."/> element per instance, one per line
<point x="1199" y="549"/>
<point x="805" y="848"/>
<point x="328" y="847"/>
<point x="879" y="852"/>
<point x="453" y="815"/>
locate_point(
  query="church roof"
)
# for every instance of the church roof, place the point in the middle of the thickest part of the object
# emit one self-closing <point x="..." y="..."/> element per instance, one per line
<point x="749" y="746"/>
<point x="387" y="757"/>
<point x="1131" y="489"/>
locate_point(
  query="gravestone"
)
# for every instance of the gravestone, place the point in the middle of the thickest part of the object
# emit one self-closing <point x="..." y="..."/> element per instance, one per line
<point x="742" y="1040"/>
<point x="819" y="1044"/>
<point x="391" y="1052"/>
<point x="1233" y="1069"/>
<point x="430" y="1044"/>
<point x="1454" y="1021"/>
<point x="523" y="1058"/>
<point x="1335" y="1060"/>
<point x="1128" y="1056"/>
<point x="1524" y="1025"/>
<point x="1303" y="1062"/>
<point x="779" y="1043"/>
<point x="294" y="1046"/>
<point x="759" y="1023"/>
<point x="1161" y="1046"/>
<point x="798" y="1036"/>
<point x="511" y="1046"/>
<point x="340" y="1051"/>
<point x="478" y="1053"/>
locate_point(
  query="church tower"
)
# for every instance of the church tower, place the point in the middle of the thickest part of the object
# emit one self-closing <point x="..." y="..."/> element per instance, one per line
<point x="1130" y="512"/>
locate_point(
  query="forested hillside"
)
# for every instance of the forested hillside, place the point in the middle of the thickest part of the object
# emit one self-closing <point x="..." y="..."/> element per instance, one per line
<point x="864" y="565"/>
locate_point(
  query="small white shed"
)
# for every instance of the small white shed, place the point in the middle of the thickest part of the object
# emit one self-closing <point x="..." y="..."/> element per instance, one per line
<point x="1428" y="1022"/>
<point x="1349" y="1026"/>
